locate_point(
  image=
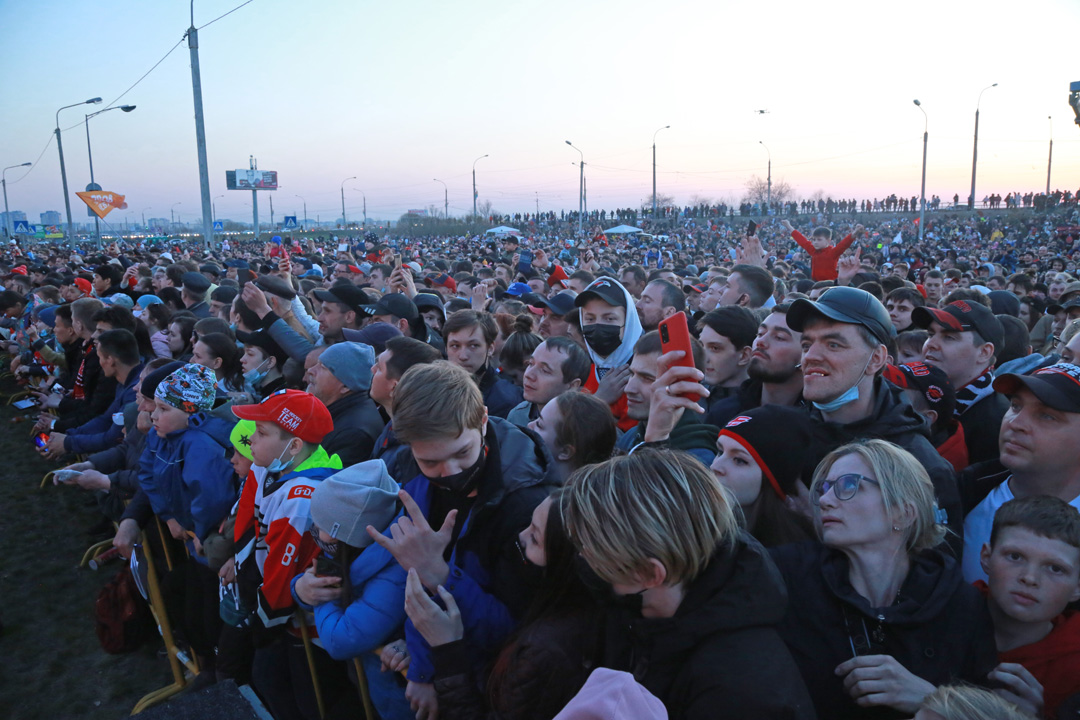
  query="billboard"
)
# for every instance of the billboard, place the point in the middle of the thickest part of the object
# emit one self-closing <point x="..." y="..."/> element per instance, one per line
<point x="251" y="179"/>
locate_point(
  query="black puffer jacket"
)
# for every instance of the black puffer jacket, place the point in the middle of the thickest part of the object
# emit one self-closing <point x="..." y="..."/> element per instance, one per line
<point x="894" y="419"/>
<point x="939" y="627"/>
<point x="982" y="425"/>
<point x="720" y="656"/>
<point x="357" y="424"/>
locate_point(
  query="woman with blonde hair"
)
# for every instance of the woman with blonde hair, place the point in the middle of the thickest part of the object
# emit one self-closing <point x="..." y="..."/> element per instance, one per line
<point x="693" y="598"/>
<point x="964" y="702"/>
<point x="882" y="616"/>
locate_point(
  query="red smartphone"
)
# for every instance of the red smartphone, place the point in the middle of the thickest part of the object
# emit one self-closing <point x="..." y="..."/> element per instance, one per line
<point x="675" y="335"/>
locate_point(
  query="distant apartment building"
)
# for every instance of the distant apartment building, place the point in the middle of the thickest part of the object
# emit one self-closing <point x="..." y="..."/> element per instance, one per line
<point x="14" y="216"/>
<point x="50" y="217"/>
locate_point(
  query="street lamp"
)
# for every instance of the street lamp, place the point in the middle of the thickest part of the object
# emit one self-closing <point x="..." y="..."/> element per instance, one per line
<point x="305" y="210"/>
<point x="63" y="170"/>
<point x="213" y="206"/>
<point x="768" y="196"/>
<point x="654" y="170"/>
<point x="172" y="220"/>
<point x="446" y="199"/>
<point x="1049" y="160"/>
<point x="581" y="192"/>
<point x="975" y="150"/>
<point x="3" y="181"/>
<point x="922" y="193"/>
<point x="90" y="155"/>
<point x="474" y="183"/>
<point x="343" y="223"/>
<point x="145" y="226"/>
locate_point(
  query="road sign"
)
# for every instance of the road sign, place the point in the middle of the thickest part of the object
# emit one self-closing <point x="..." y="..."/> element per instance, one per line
<point x="290" y="222"/>
<point x="22" y="227"/>
<point x="219" y="226"/>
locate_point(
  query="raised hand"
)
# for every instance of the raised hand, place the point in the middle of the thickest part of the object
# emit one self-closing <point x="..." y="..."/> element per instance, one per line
<point x="416" y="546"/>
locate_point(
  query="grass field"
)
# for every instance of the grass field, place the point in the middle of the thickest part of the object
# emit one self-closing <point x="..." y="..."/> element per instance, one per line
<point x="53" y="666"/>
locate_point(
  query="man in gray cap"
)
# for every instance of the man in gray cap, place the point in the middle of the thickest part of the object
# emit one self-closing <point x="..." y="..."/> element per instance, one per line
<point x="194" y="294"/>
<point x="846" y="336"/>
<point x="341" y="379"/>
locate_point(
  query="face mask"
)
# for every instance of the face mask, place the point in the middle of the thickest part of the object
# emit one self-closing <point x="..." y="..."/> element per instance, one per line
<point x="603" y="339"/>
<point x="848" y="396"/>
<point x="277" y="465"/>
<point x="464" y="482"/>
<point x="328" y="548"/>
<point x="254" y="377"/>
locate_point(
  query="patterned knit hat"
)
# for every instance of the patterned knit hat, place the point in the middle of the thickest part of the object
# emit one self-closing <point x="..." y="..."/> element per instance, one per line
<point x="191" y="388"/>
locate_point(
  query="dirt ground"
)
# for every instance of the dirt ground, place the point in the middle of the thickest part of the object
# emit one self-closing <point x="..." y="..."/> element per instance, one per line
<point x="53" y="666"/>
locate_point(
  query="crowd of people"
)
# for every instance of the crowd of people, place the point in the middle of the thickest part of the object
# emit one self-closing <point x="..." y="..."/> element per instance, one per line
<point x="478" y="477"/>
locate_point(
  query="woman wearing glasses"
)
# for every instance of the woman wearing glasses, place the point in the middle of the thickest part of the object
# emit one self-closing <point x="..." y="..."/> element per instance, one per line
<point x="879" y="615"/>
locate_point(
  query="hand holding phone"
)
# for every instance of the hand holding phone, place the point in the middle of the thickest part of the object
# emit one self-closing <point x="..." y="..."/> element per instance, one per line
<point x="675" y="335"/>
<point x="751" y="229"/>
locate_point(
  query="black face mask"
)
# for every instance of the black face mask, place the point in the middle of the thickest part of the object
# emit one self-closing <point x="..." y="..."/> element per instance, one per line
<point x="604" y="594"/>
<point x="463" y="482"/>
<point x="602" y="338"/>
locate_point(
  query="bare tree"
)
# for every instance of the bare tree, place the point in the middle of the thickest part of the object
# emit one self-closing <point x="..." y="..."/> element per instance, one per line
<point x="699" y="200"/>
<point x="662" y="200"/>
<point x="757" y="190"/>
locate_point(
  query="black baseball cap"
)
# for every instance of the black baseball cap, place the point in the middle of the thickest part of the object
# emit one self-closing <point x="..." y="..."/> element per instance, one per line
<point x="559" y="303"/>
<point x="931" y="382"/>
<point x="605" y="288"/>
<point x="195" y="282"/>
<point x="963" y="316"/>
<point x="394" y="304"/>
<point x="348" y="295"/>
<point x="1056" y="386"/>
<point x="847" y="305"/>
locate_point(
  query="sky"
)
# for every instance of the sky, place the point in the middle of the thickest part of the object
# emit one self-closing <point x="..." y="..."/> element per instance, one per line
<point x="399" y="93"/>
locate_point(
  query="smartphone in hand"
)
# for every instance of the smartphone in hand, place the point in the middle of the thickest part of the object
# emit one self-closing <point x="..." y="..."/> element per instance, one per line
<point x="675" y="335"/>
<point x="751" y="229"/>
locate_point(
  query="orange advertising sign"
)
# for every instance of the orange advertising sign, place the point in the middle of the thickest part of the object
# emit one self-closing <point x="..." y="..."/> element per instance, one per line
<point x="102" y="202"/>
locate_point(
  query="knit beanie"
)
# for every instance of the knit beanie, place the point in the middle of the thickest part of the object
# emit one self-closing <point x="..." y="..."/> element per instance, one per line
<point x="344" y="504"/>
<point x="778" y="438"/>
<point x="192" y="389"/>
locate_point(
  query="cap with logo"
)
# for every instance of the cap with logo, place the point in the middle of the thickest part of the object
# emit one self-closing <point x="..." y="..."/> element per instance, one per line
<point x="296" y="412"/>
<point x="846" y="305"/>
<point x="963" y="316"/>
<point x="1057" y="386"/>
<point x="395" y="304"/>
<point x="604" y="288"/>
<point x="517" y="289"/>
<point x="441" y="280"/>
<point x="929" y="381"/>
<point x="348" y="295"/>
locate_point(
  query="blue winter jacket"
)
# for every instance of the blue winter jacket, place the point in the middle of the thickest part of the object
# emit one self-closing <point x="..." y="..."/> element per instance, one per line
<point x="377" y="609"/>
<point x="186" y="475"/>
<point x="101" y="433"/>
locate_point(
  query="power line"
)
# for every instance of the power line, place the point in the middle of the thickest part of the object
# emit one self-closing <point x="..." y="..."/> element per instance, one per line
<point x="21" y="177"/>
<point x="228" y="13"/>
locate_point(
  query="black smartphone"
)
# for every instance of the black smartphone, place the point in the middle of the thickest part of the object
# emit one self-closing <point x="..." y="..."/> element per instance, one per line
<point x="751" y="229"/>
<point x="327" y="567"/>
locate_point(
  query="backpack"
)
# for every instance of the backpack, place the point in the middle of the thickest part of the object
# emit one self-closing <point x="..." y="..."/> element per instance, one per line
<point x="121" y="616"/>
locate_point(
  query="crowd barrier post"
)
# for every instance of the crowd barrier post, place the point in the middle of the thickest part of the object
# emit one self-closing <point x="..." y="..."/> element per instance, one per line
<point x="365" y="694"/>
<point x="178" y="660"/>
<point x="301" y="620"/>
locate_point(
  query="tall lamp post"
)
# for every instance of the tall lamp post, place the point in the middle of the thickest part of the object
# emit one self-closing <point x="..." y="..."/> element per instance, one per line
<point x="145" y="226"/>
<point x="654" y="170"/>
<point x="922" y="192"/>
<point x="63" y="170"/>
<point x="90" y="156"/>
<point x="975" y="150"/>
<point x="213" y="206"/>
<point x="768" y="195"/>
<point x="3" y="181"/>
<point x="172" y="218"/>
<point x="1049" y="160"/>
<point x="305" y="210"/>
<point x="474" y="184"/>
<point x="581" y="191"/>
<point x="344" y="224"/>
<point x="446" y="199"/>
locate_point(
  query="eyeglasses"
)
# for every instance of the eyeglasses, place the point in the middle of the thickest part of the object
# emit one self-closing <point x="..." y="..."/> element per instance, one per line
<point x="843" y="487"/>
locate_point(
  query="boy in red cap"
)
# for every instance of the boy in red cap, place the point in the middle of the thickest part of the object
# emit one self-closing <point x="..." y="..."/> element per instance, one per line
<point x="273" y="533"/>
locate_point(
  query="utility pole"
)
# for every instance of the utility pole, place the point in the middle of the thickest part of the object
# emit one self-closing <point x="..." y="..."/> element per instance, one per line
<point x="446" y="199"/>
<point x="200" y="134"/>
<point x="254" y="165"/>
<point x="1050" y="160"/>
<point x="474" y="184"/>
<point x="271" y="212"/>
<point x="654" y="170"/>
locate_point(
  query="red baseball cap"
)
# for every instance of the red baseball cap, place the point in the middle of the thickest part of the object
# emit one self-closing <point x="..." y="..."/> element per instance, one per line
<point x="295" y="411"/>
<point x="84" y="285"/>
